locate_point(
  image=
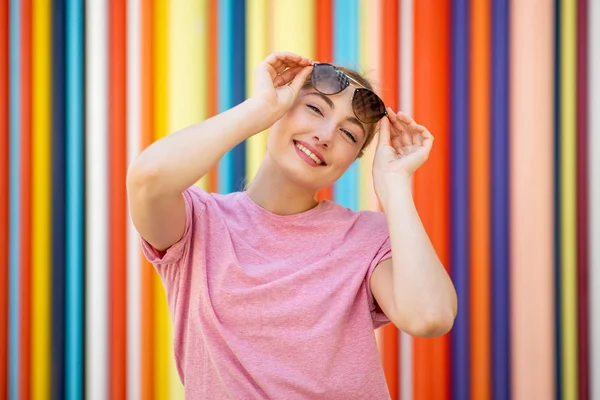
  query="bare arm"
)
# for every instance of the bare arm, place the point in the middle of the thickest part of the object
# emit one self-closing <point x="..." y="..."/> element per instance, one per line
<point x="160" y="174"/>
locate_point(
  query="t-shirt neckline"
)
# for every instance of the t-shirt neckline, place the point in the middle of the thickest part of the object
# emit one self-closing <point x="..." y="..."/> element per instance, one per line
<point x="263" y="212"/>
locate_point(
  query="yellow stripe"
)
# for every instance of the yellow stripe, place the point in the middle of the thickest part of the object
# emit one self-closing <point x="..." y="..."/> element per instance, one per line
<point x="568" y="199"/>
<point x="40" y="290"/>
<point x="187" y="90"/>
<point x="187" y="50"/>
<point x="369" y="38"/>
<point x="162" y="337"/>
<point x="256" y="51"/>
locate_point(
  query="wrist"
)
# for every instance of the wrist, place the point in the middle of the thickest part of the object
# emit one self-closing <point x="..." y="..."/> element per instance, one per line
<point x="396" y="189"/>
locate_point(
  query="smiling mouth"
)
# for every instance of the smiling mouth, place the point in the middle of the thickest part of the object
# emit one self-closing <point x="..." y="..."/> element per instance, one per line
<point x="309" y="153"/>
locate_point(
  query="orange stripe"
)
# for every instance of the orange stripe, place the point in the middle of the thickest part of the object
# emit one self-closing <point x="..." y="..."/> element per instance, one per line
<point x="431" y="100"/>
<point x="324" y="53"/>
<point x="147" y="271"/>
<point x="117" y="196"/>
<point x="213" y="8"/>
<point x="25" y="359"/>
<point x="389" y="93"/>
<point x="480" y="199"/>
<point x="3" y="199"/>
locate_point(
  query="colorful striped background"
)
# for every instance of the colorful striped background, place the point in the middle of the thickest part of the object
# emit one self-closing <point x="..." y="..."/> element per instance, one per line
<point x="510" y="195"/>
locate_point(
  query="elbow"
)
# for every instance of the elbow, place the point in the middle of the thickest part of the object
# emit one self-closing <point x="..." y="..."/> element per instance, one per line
<point x="431" y="324"/>
<point x="141" y="178"/>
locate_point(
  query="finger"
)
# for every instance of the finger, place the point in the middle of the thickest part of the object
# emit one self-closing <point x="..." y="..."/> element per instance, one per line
<point x="404" y="118"/>
<point x="300" y="79"/>
<point x="398" y="144"/>
<point x="406" y="139"/>
<point x="384" y="132"/>
<point x="286" y="76"/>
<point x="397" y="122"/>
<point x="417" y="139"/>
<point x="276" y="63"/>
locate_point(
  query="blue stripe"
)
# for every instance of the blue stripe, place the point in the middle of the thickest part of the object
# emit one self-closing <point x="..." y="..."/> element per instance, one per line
<point x="500" y="201"/>
<point x="225" y="86"/>
<point x="557" y="205"/>
<point x="58" y="200"/>
<point x="460" y="260"/>
<point x="14" y="200"/>
<point x="345" y="53"/>
<point x="239" y="86"/>
<point x="74" y="203"/>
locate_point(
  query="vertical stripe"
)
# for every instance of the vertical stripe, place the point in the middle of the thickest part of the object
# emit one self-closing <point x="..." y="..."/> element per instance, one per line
<point x="238" y="80"/>
<point x="117" y="197"/>
<point x="58" y="199"/>
<point x="594" y="193"/>
<point x="324" y="53"/>
<point x="405" y="98"/>
<point x="25" y="301"/>
<point x="345" y="53"/>
<point x="431" y="99"/>
<point x="42" y="201"/>
<point x="147" y="273"/>
<point x="187" y="77"/>
<point x="14" y="199"/>
<point x="74" y="201"/>
<point x="96" y="200"/>
<point x="499" y="203"/>
<point x="226" y="184"/>
<point x="479" y="159"/>
<point x="134" y="140"/>
<point x="459" y="233"/>
<point x="212" y="74"/>
<point x="531" y="205"/>
<point x="162" y="341"/>
<point x="387" y="86"/>
<point x="4" y="129"/>
<point x="582" y="202"/>
<point x="568" y="224"/>
<point x="257" y="51"/>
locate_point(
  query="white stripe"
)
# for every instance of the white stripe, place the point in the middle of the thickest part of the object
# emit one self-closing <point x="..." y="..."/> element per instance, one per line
<point x="96" y="207"/>
<point x="134" y="116"/>
<point x="594" y="192"/>
<point x="406" y="105"/>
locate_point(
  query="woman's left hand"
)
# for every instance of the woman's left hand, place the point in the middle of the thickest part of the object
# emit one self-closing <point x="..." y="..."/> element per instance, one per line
<point x="402" y="148"/>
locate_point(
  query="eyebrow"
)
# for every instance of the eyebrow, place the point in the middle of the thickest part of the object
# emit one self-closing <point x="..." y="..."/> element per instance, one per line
<point x="352" y="120"/>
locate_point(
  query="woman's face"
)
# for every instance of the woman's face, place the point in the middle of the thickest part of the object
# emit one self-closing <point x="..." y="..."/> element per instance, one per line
<point x="316" y="141"/>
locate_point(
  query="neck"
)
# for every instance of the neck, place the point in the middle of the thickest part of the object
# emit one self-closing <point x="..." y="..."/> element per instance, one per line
<point x="273" y="191"/>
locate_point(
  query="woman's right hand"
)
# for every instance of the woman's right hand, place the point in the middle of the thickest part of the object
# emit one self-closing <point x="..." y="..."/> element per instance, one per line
<point x="278" y="81"/>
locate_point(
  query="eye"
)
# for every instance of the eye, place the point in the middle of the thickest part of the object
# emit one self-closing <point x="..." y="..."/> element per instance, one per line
<point x="315" y="109"/>
<point x="350" y="135"/>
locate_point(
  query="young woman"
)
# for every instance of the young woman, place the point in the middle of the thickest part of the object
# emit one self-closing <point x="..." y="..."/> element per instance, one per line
<point x="273" y="294"/>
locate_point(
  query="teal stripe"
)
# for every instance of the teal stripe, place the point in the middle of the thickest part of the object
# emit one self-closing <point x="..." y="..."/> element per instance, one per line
<point x="226" y="184"/>
<point x="345" y="53"/>
<point x="14" y="200"/>
<point x="74" y="201"/>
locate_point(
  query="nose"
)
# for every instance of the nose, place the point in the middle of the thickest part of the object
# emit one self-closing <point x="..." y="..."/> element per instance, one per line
<point x="324" y="136"/>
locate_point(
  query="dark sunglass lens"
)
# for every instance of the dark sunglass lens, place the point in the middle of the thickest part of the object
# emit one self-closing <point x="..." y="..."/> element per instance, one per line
<point x="327" y="79"/>
<point x="368" y="107"/>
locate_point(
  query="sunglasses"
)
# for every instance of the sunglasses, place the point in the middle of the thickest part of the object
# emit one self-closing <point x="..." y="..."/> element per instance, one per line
<point x="367" y="106"/>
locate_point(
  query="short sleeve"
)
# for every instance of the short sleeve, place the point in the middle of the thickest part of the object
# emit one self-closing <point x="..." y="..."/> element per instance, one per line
<point x="378" y="316"/>
<point x="194" y="206"/>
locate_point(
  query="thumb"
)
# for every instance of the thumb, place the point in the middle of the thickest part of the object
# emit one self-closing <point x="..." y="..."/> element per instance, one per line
<point x="384" y="132"/>
<point x="300" y="79"/>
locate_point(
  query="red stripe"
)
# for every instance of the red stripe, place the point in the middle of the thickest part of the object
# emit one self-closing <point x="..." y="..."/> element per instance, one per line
<point x="26" y="93"/>
<point x="582" y="199"/>
<point x="117" y="197"/>
<point x="147" y="271"/>
<point x="431" y="187"/>
<point x="389" y="75"/>
<point x="324" y="53"/>
<point x="213" y="7"/>
<point x="4" y="123"/>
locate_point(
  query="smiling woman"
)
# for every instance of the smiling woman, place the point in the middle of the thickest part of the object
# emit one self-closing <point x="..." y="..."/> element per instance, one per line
<point x="297" y="285"/>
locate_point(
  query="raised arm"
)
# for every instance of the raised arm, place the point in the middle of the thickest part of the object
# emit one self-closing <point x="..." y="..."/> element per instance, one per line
<point x="160" y="174"/>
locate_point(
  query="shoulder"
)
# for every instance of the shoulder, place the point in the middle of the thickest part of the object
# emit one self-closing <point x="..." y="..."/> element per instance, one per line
<point x="371" y="225"/>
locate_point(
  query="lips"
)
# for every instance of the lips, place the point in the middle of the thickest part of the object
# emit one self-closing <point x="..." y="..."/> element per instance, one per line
<point x="310" y="152"/>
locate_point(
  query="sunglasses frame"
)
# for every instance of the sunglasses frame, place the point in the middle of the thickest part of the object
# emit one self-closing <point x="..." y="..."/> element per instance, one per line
<point x="357" y="86"/>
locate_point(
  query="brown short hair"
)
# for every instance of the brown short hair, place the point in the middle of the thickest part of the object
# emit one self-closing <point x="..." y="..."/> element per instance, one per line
<point x="371" y="129"/>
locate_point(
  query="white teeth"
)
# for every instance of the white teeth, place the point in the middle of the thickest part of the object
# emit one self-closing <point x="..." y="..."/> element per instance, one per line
<point x="309" y="153"/>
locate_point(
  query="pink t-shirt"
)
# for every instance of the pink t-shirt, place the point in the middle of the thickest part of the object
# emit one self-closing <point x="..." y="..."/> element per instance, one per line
<point x="266" y="306"/>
